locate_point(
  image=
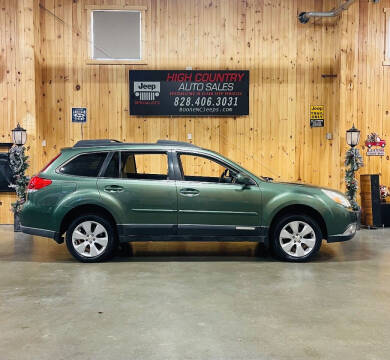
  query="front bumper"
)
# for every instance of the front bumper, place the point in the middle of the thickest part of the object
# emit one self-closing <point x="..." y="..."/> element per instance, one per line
<point x="348" y="234"/>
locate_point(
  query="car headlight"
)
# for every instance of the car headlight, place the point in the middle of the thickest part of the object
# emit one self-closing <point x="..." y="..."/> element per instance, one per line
<point x="337" y="197"/>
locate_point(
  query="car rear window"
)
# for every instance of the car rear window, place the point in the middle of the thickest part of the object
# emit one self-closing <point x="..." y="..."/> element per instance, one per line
<point x="84" y="165"/>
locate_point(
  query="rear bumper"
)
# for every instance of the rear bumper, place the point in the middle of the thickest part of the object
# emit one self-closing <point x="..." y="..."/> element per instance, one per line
<point x="42" y="232"/>
<point x="348" y="234"/>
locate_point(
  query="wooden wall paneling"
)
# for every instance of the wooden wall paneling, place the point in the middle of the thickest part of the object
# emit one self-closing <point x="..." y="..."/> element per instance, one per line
<point x="67" y="103"/>
<point x="93" y="127"/>
<point x="5" y="41"/>
<point x="285" y="59"/>
<point x="17" y="79"/>
<point x="385" y="178"/>
<point x="3" y="70"/>
<point x="255" y="73"/>
<point x="191" y="43"/>
<point x="317" y="135"/>
<point x="273" y="132"/>
<point x="264" y="56"/>
<point x="330" y="169"/>
<point x="375" y="93"/>
<point x="371" y="90"/>
<point x="254" y="100"/>
<point x="362" y="85"/>
<point x="348" y="77"/>
<point x="164" y="26"/>
<point x="228" y="133"/>
<point x="216" y="63"/>
<point x="223" y="147"/>
<point x="303" y="93"/>
<point x="12" y="47"/>
<point x="49" y="117"/>
<point x="379" y="76"/>
<point x="39" y="87"/>
<point x="290" y="62"/>
<point x="331" y="65"/>
<point x="239" y="60"/>
<point x="202" y="125"/>
<point x="81" y="97"/>
<point x="25" y="61"/>
<point x="59" y="75"/>
<point x="324" y="52"/>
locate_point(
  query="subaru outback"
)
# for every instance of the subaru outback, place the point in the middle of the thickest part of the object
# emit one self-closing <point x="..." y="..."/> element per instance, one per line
<point x="99" y="193"/>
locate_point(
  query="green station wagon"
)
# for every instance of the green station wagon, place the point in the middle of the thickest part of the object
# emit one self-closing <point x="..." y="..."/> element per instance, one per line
<point x="102" y="192"/>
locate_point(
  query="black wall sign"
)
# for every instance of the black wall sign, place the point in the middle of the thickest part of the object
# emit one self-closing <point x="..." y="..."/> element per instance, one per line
<point x="182" y="92"/>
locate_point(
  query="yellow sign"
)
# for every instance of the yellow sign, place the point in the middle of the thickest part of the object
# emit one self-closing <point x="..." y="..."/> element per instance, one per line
<point x="317" y="116"/>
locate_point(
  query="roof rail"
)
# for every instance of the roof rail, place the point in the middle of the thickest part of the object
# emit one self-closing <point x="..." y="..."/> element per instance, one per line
<point x="108" y="142"/>
<point x="100" y="142"/>
<point x="175" y="143"/>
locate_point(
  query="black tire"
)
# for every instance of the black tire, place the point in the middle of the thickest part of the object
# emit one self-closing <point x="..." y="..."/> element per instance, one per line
<point x="124" y="249"/>
<point x="111" y="244"/>
<point x="314" y="243"/>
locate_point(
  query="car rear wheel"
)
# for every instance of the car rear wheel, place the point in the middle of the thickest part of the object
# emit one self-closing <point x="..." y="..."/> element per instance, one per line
<point x="296" y="238"/>
<point x="91" y="238"/>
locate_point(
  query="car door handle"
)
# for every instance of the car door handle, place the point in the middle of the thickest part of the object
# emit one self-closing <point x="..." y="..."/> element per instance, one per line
<point x="189" y="192"/>
<point x="113" y="188"/>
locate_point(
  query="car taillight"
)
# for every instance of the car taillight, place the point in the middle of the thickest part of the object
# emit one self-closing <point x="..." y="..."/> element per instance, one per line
<point x="37" y="183"/>
<point x="50" y="162"/>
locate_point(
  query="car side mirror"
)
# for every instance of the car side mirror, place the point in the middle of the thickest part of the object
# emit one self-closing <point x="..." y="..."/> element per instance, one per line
<point x="243" y="179"/>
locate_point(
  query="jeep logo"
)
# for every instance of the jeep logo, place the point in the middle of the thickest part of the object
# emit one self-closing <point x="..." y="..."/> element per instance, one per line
<point x="146" y="90"/>
<point x="146" y="86"/>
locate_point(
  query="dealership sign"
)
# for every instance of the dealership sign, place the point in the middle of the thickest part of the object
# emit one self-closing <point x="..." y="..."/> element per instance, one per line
<point x="180" y="93"/>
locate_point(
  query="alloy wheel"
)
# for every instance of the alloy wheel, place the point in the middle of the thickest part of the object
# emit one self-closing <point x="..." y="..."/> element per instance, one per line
<point x="297" y="239"/>
<point x="90" y="239"/>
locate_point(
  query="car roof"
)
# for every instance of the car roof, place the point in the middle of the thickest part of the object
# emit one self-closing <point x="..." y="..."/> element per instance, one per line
<point x="109" y="143"/>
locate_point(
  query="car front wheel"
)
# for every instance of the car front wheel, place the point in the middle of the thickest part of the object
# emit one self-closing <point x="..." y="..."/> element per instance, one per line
<point x="91" y="238"/>
<point x="296" y="238"/>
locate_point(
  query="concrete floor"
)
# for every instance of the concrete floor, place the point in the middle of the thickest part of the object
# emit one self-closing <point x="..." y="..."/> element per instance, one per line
<point x="194" y="303"/>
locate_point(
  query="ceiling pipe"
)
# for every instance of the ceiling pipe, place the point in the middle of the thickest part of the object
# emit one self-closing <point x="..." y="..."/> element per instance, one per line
<point x="304" y="17"/>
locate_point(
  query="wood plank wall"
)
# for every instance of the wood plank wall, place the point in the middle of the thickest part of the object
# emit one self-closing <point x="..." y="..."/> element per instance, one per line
<point x="286" y="60"/>
<point x="17" y="80"/>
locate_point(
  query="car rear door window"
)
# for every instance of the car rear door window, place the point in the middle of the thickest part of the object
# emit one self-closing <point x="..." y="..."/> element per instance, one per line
<point x="84" y="165"/>
<point x="148" y="166"/>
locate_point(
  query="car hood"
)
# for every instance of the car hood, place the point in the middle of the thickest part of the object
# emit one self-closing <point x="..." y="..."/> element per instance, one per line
<point x="303" y="186"/>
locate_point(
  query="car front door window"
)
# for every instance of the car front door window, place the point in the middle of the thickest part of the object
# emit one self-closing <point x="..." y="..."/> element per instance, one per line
<point x="204" y="169"/>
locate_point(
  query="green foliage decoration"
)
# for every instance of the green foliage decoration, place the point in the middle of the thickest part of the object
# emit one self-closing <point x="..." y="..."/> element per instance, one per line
<point x="19" y="165"/>
<point x="353" y="162"/>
